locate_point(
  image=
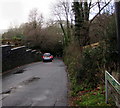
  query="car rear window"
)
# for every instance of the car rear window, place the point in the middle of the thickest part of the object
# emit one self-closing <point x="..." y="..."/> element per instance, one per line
<point x="47" y="54"/>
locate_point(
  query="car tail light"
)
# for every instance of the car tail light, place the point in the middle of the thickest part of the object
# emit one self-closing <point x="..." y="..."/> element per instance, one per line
<point x="51" y="57"/>
<point x="42" y="56"/>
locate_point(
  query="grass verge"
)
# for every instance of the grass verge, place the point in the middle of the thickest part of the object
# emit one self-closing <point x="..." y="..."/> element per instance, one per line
<point x="89" y="97"/>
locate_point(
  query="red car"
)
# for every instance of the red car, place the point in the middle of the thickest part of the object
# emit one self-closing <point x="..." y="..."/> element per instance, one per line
<point x="47" y="57"/>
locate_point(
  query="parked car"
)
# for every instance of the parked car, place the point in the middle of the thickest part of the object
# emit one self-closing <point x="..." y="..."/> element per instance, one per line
<point x="47" y="57"/>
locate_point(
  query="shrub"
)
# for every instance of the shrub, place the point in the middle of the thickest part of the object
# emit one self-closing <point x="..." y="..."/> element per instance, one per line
<point x="72" y="57"/>
<point x="91" y="66"/>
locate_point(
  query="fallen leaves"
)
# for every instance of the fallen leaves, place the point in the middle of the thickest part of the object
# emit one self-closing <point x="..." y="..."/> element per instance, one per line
<point x="74" y="101"/>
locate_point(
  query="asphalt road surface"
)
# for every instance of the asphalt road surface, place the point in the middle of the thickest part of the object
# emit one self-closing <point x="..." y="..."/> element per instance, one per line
<point x="37" y="84"/>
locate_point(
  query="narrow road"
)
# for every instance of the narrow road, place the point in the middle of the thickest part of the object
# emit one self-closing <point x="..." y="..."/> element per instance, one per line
<point x="37" y="84"/>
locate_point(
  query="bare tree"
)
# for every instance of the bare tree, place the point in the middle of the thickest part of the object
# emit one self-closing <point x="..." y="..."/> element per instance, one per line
<point x="64" y="15"/>
<point x="34" y="26"/>
<point x="82" y="11"/>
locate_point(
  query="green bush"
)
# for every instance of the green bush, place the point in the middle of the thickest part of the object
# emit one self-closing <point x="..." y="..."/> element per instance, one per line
<point x="91" y="66"/>
<point x="84" y="68"/>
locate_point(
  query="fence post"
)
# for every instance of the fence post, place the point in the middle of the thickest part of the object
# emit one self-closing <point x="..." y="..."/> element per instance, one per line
<point x="106" y="89"/>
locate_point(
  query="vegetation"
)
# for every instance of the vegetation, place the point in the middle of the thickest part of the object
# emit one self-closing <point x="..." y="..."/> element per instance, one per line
<point x="90" y="61"/>
<point x="86" y="66"/>
<point x="91" y="98"/>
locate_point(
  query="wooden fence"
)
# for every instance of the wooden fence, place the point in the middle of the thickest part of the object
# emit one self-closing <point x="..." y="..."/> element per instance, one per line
<point x="112" y="88"/>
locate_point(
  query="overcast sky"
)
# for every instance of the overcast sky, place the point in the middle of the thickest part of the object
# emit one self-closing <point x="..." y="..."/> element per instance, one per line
<point x="15" y="12"/>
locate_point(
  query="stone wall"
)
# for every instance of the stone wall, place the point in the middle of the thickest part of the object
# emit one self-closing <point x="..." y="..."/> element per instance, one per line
<point x="13" y="57"/>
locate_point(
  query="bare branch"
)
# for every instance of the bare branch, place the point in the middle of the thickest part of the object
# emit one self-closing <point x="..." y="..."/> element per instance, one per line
<point x="100" y="11"/>
<point x="92" y="5"/>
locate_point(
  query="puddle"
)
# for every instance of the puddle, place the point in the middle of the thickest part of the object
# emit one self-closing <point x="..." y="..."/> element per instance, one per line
<point x="19" y="72"/>
<point x="31" y="80"/>
<point x="7" y="92"/>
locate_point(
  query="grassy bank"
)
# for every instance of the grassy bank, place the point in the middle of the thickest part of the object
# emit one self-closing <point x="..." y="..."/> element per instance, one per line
<point x="89" y="97"/>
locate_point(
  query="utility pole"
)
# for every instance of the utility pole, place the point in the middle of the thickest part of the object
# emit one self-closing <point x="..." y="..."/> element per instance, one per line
<point x="117" y="11"/>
